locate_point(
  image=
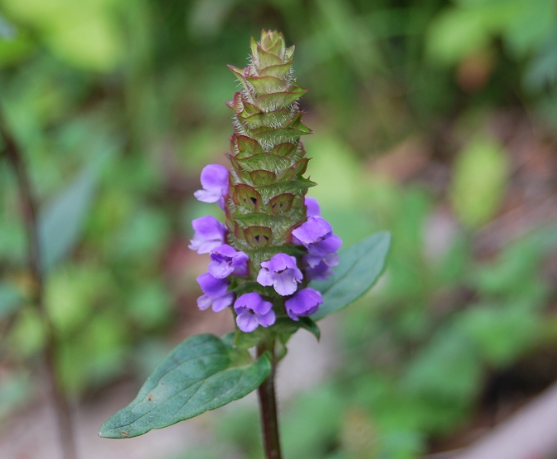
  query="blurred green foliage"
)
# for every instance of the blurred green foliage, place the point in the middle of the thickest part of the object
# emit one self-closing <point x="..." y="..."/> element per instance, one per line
<point x="134" y="91"/>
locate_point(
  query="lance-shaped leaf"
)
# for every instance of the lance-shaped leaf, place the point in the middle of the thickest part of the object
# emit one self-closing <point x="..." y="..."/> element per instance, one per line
<point x="60" y="224"/>
<point x="10" y="299"/>
<point x="360" y="266"/>
<point x="200" y="374"/>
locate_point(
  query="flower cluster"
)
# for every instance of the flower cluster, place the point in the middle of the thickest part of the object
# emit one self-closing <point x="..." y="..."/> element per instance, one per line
<point x="274" y="240"/>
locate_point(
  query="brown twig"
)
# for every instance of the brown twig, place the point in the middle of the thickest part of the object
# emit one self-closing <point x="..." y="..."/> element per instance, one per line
<point x="13" y="154"/>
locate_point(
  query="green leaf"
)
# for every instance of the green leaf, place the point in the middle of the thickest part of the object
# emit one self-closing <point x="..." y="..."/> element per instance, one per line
<point x="10" y="299"/>
<point x="360" y="266"/>
<point x="200" y="374"/>
<point x="480" y="181"/>
<point x="61" y="224"/>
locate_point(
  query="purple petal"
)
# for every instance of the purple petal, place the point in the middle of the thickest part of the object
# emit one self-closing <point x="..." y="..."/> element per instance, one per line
<point x="240" y="263"/>
<point x="264" y="277"/>
<point x="214" y="177"/>
<point x="223" y="302"/>
<point x="204" y="302"/>
<point x="266" y="319"/>
<point x="247" y="300"/>
<point x="263" y="307"/>
<point x="220" y="269"/>
<point x="225" y="259"/>
<point x="312" y="260"/>
<point x="303" y="303"/>
<point x="284" y="283"/>
<point x="280" y="262"/>
<point x="312" y="207"/>
<point x="212" y="286"/>
<point x="247" y="322"/>
<point x="214" y="180"/>
<point x="320" y="272"/>
<point x="331" y="259"/>
<point x="207" y="196"/>
<point x="209" y="234"/>
<point x="312" y="231"/>
<point x="328" y="245"/>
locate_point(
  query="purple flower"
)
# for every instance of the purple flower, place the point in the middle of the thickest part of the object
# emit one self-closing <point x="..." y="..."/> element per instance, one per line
<point x="314" y="230"/>
<point x="226" y="260"/>
<point x="312" y="207"/>
<point x="281" y="272"/>
<point x="209" y="234"/>
<point x="252" y="311"/>
<point x="214" y="180"/>
<point x="316" y="234"/>
<point x="303" y="303"/>
<point x="320" y="272"/>
<point x="215" y="293"/>
<point x="324" y="250"/>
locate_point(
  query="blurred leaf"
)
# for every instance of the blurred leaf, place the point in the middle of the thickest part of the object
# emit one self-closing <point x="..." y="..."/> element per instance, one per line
<point x="455" y="34"/>
<point x="7" y="30"/>
<point x="446" y="369"/>
<point x="143" y="236"/>
<point x="80" y="33"/>
<point x="73" y="294"/>
<point x="527" y="28"/>
<point x="514" y="275"/>
<point x="360" y="266"/>
<point x="61" y="223"/>
<point x="26" y="335"/>
<point x="479" y="182"/>
<point x="10" y="299"/>
<point x="200" y="374"/>
<point x="311" y="422"/>
<point x="15" y="391"/>
<point x="150" y="304"/>
<point x="501" y="334"/>
<point x="15" y="48"/>
<point x="542" y="70"/>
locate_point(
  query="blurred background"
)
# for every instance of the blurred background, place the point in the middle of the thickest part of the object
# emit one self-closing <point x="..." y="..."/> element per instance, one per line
<point x="433" y="119"/>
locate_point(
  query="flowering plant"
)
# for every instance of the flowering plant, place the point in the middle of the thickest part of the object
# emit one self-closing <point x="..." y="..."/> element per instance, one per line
<point x="273" y="263"/>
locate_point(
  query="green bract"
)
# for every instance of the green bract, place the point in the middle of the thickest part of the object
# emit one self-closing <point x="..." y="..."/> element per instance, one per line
<point x="267" y="187"/>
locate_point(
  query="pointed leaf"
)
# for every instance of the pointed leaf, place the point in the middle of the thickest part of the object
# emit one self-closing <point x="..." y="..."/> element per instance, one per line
<point x="200" y="374"/>
<point x="60" y="225"/>
<point x="10" y="299"/>
<point x="360" y="266"/>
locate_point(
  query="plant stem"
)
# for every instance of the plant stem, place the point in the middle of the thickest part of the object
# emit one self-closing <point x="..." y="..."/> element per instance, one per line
<point x="15" y="157"/>
<point x="268" y="408"/>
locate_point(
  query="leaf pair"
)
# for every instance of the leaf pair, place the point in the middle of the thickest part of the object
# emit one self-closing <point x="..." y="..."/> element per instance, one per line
<point x="205" y="372"/>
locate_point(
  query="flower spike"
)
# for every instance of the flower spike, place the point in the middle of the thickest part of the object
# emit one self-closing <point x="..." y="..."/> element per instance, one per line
<point x="274" y="240"/>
